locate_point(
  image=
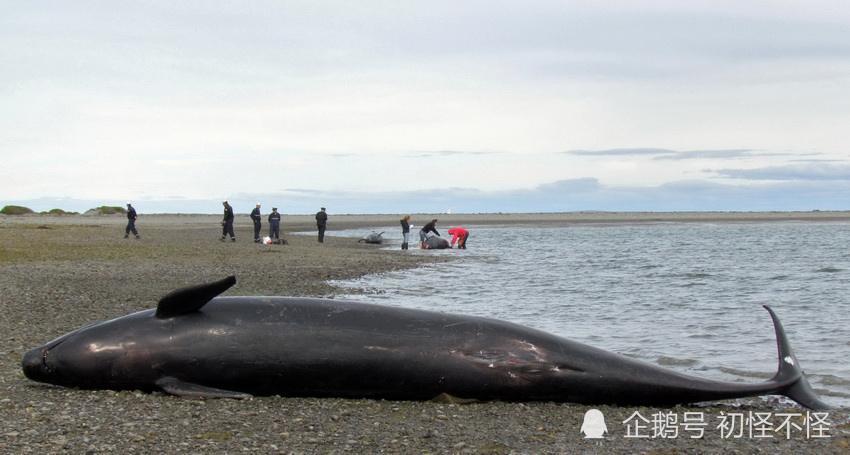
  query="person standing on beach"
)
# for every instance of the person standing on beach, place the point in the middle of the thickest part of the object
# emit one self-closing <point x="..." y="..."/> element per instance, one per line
<point x="461" y="234"/>
<point x="227" y="223"/>
<point x="405" y="231"/>
<point x="423" y="233"/>
<point x="274" y="224"/>
<point x="321" y="224"/>
<point x="131" y="222"/>
<point x="257" y="219"/>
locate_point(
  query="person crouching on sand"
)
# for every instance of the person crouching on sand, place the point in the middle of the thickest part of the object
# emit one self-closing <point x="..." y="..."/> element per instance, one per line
<point x="423" y="233"/>
<point x="459" y="235"/>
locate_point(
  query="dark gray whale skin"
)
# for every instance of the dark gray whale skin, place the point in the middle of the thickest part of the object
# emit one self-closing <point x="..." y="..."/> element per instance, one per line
<point x="375" y="238"/>
<point x="437" y="243"/>
<point x="243" y="346"/>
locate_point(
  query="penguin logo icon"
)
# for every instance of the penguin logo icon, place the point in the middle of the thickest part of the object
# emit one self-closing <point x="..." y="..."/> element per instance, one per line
<point x="594" y="425"/>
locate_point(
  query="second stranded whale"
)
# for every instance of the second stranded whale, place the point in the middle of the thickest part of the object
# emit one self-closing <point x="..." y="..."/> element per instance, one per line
<point x="201" y="345"/>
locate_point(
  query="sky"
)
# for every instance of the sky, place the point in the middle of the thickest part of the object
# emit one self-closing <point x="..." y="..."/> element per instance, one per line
<point x="395" y="107"/>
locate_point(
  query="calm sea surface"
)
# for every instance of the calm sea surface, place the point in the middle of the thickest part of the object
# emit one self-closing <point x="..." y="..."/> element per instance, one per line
<point x="683" y="295"/>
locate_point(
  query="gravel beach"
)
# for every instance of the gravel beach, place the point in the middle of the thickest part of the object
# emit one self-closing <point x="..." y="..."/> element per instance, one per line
<point x="59" y="273"/>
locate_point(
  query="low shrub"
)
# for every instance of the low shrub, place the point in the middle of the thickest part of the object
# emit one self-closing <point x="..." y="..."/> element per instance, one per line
<point x="106" y="210"/>
<point x="59" y="212"/>
<point x="15" y="210"/>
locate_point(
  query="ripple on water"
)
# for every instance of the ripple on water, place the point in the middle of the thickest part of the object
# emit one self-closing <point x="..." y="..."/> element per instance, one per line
<point x="828" y="379"/>
<point x="673" y="361"/>
<point x="692" y="275"/>
<point x="745" y="373"/>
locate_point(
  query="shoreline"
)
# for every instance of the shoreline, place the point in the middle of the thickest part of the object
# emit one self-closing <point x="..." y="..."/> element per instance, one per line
<point x="349" y="221"/>
<point x="58" y="275"/>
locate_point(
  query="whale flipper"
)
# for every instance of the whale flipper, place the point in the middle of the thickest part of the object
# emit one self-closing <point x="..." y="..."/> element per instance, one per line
<point x="177" y="387"/>
<point x="188" y="300"/>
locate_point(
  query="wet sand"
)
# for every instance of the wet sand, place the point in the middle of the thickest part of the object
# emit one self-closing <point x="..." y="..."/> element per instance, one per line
<point x="344" y="221"/>
<point x="58" y="273"/>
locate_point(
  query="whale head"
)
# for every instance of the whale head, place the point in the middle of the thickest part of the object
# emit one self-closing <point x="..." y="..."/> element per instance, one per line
<point x="122" y="353"/>
<point x="102" y="354"/>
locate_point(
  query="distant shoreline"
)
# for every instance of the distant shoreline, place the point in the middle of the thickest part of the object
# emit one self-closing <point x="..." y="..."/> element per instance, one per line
<point x="348" y="221"/>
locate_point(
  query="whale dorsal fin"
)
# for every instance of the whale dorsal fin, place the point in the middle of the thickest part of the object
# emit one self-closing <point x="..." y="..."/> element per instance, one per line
<point x="191" y="299"/>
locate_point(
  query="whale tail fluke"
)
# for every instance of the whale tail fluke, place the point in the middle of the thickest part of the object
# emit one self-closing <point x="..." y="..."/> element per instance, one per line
<point x="794" y="383"/>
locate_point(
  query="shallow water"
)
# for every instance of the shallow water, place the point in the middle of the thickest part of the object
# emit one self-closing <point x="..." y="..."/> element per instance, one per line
<point x="686" y="296"/>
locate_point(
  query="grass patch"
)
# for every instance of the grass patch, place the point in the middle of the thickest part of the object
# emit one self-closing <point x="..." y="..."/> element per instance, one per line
<point x="58" y="212"/>
<point x="106" y="210"/>
<point x="15" y="210"/>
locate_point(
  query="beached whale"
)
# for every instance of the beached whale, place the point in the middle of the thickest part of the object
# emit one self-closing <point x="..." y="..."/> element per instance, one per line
<point x="197" y="344"/>
<point x="436" y="243"/>
<point x="374" y="238"/>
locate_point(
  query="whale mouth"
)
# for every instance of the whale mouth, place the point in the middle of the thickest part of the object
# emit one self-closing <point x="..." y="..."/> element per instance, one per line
<point x="44" y="366"/>
<point x="35" y="363"/>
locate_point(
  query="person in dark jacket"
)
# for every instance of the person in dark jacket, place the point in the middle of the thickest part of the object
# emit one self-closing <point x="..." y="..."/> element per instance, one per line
<point x="405" y="231"/>
<point x="430" y="227"/>
<point x="274" y="224"/>
<point x="227" y="223"/>
<point x="257" y="219"/>
<point x="321" y="223"/>
<point x="131" y="222"/>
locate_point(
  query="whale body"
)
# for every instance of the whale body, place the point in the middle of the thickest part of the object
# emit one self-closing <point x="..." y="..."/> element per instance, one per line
<point x="197" y="344"/>
<point x="375" y="238"/>
<point x="436" y="243"/>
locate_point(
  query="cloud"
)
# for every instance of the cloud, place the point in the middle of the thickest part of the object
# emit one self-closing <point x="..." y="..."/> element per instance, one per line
<point x="668" y="154"/>
<point x="446" y="153"/>
<point x="572" y="185"/>
<point x="715" y="154"/>
<point x="622" y="152"/>
<point x="558" y="196"/>
<point x="813" y="160"/>
<point x="812" y="171"/>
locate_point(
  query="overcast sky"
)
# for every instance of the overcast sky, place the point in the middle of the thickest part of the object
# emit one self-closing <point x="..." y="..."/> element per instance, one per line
<point x="422" y="106"/>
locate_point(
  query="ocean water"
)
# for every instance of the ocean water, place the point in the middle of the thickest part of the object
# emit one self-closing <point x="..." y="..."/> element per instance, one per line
<point x="686" y="296"/>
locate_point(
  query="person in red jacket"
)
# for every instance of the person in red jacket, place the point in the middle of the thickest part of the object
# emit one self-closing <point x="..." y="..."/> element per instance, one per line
<point x="459" y="235"/>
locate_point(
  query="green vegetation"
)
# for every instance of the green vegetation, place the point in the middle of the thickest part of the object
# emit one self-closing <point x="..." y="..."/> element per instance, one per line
<point x="58" y="212"/>
<point x="15" y="210"/>
<point x="106" y="210"/>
